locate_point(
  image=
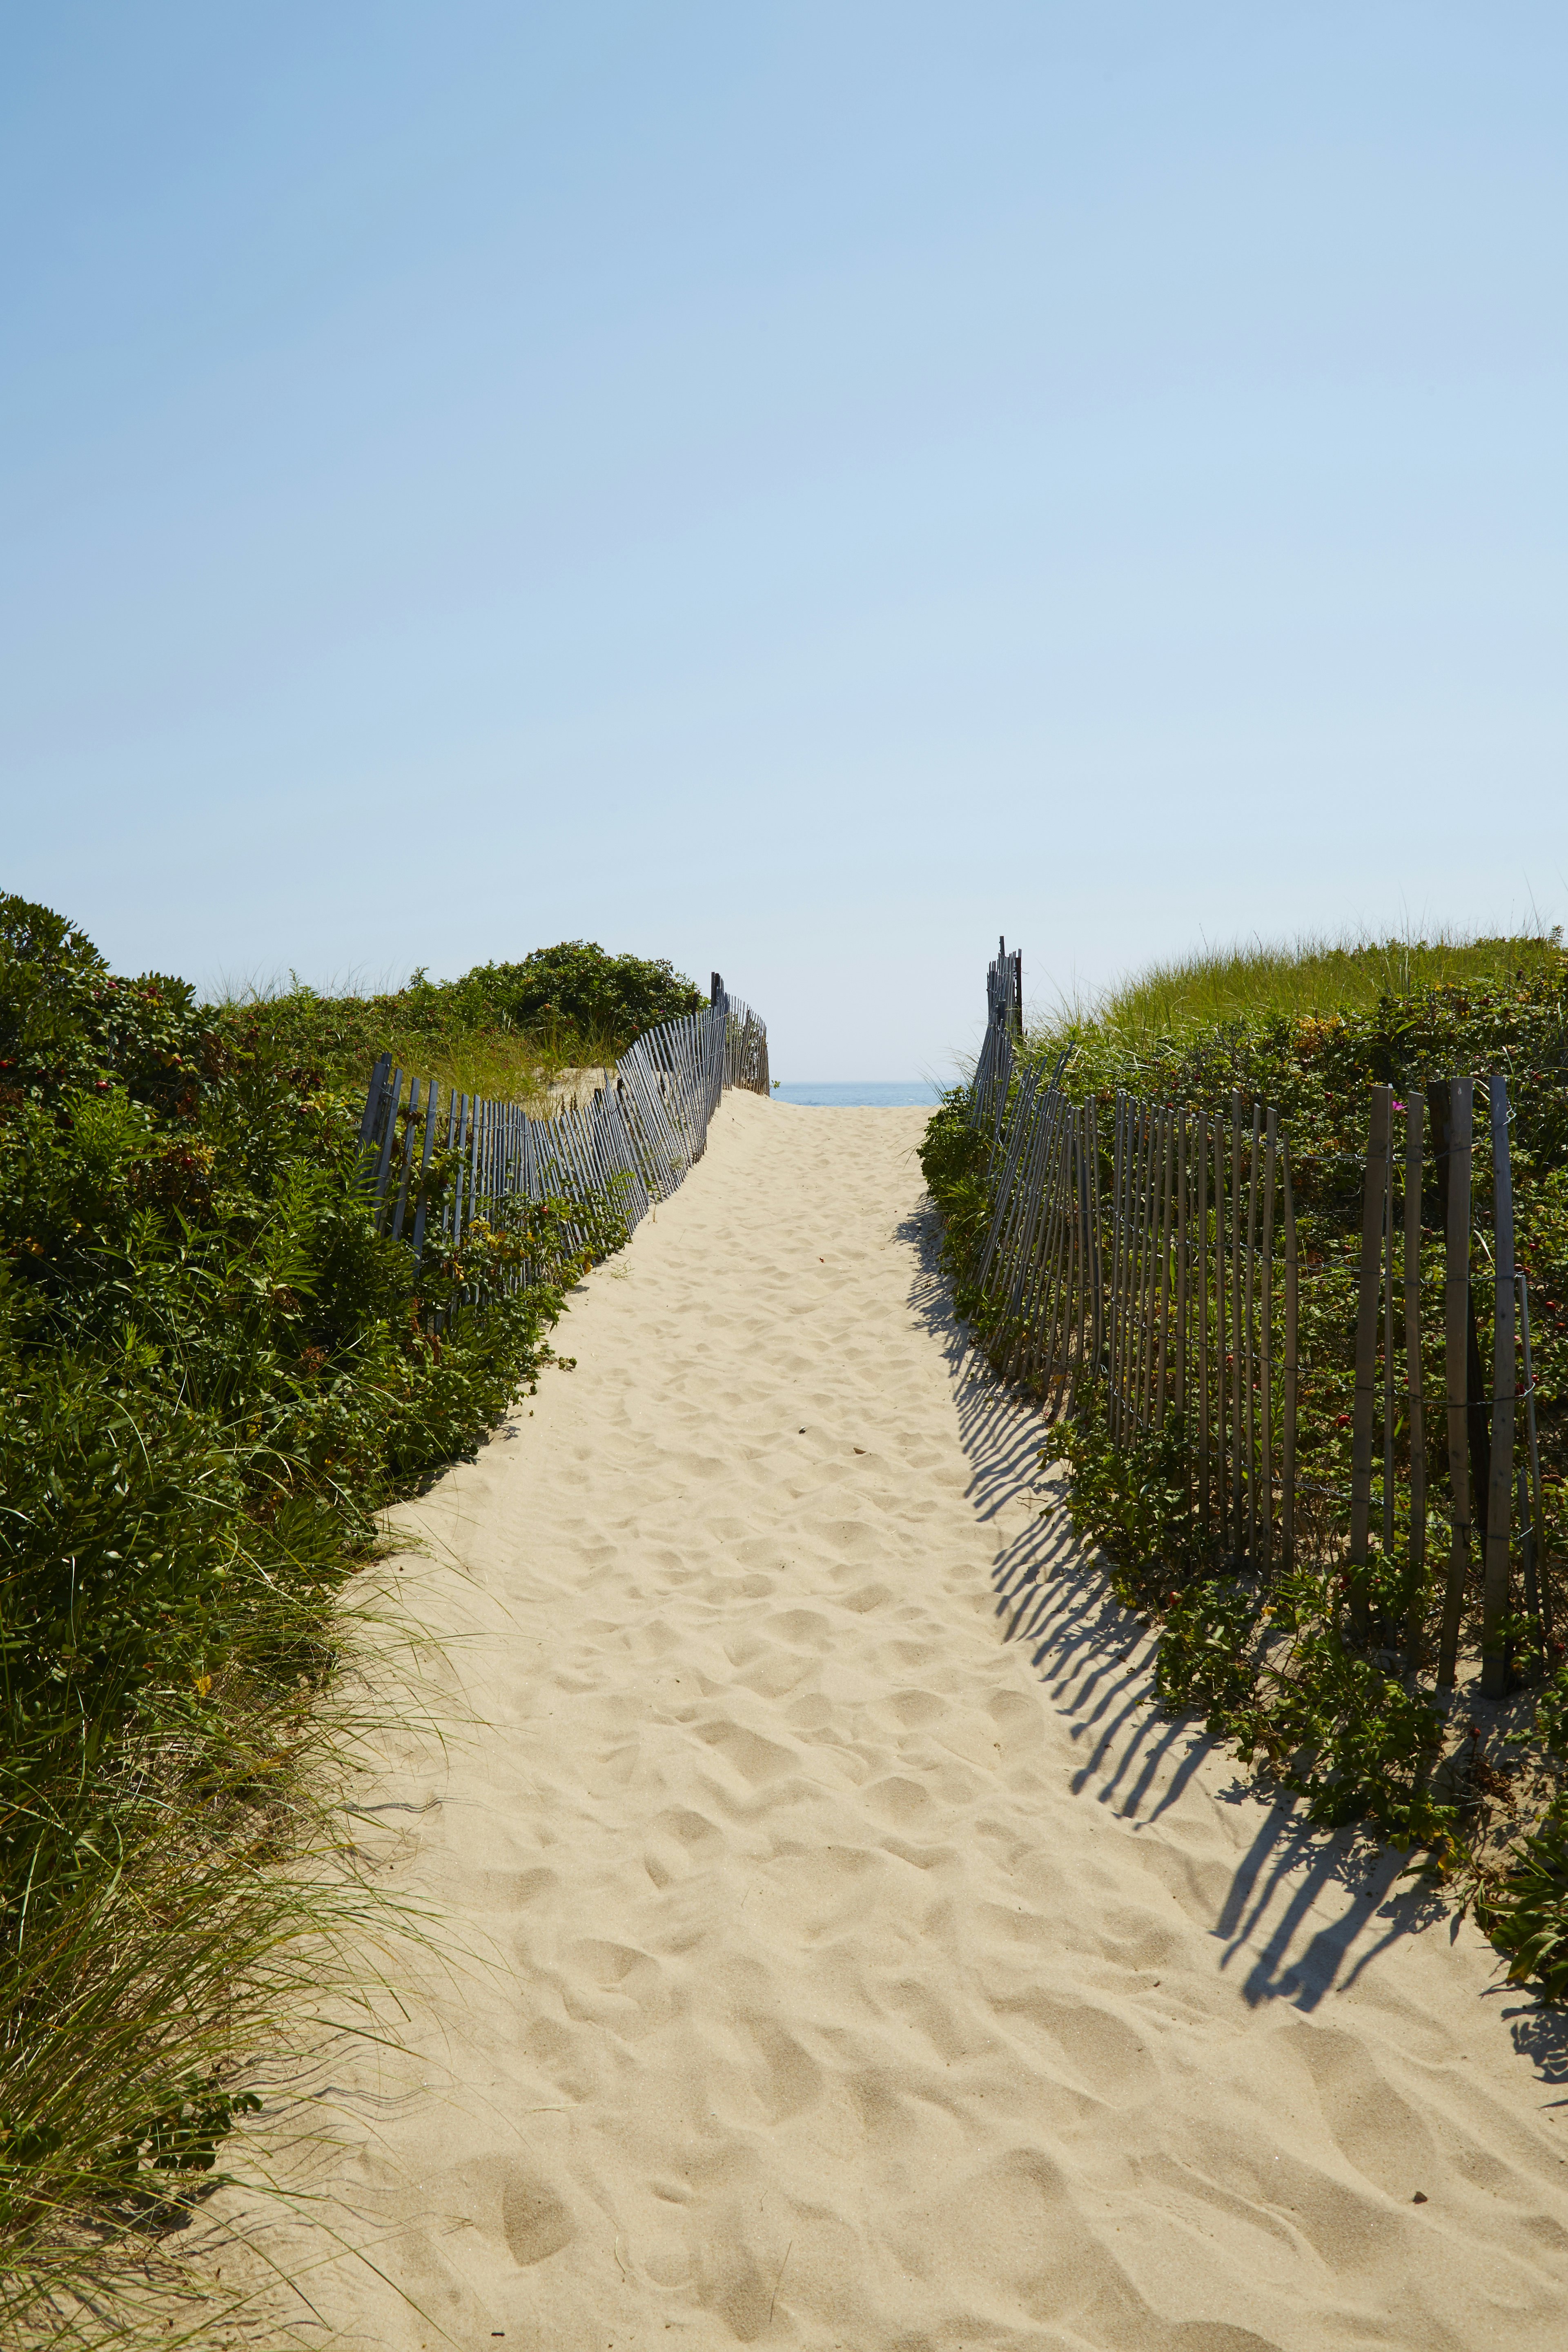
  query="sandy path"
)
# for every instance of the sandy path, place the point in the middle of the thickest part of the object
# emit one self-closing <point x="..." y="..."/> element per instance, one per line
<point x="870" y="1969"/>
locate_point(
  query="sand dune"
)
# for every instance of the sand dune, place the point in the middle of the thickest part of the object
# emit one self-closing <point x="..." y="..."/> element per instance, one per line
<point x="868" y="1965"/>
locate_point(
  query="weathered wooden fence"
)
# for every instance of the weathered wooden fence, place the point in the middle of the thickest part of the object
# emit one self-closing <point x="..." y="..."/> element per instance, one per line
<point x="630" y="1144"/>
<point x="1147" y="1254"/>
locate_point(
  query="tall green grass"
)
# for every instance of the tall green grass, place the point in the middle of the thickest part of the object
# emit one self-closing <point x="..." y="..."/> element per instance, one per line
<point x="506" y="1031"/>
<point x="1218" y="986"/>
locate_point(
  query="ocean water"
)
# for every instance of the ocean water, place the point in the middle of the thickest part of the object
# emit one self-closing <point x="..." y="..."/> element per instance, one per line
<point x="859" y="1094"/>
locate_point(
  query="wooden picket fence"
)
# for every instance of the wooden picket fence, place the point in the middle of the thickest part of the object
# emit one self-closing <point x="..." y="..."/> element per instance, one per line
<point x="1147" y="1254"/>
<point x="630" y="1145"/>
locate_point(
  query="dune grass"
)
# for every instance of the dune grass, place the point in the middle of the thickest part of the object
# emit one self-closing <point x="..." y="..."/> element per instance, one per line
<point x="505" y="1031"/>
<point x="344" y="1035"/>
<point x="178" y="1975"/>
<point x="1321" y="977"/>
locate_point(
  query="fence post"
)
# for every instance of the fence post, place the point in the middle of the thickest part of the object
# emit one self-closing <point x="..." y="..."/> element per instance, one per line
<point x="1287" y="1436"/>
<point x="1201" y="1227"/>
<point x="1237" y="1416"/>
<point x="371" y="1119"/>
<point x="1183" y="1187"/>
<point x="383" y="1158"/>
<point x="1250" y="1329"/>
<point x="1271" y="1165"/>
<point x="1097" y="1256"/>
<point x="1414" y="1111"/>
<point x="1374" y="1195"/>
<point x="410" y="1119"/>
<point x="1499" y="1498"/>
<point x="1542" y="1604"/>
<point x="1222" y="1473"/>
<point x="1456" y="1303"/>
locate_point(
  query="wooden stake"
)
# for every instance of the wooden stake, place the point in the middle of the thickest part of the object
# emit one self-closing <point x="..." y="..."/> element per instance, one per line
<point x="1535" y="1518"/>
<point x="1414" y="1109"/>
<point x="1499" y="1500"/>
<point x="1388" y="1396"/>
<point x="1250" y="1342"/>
<point x="1222" y="1481"/>
<point x="1272" y="1164"/>
<point x="1237" y="1417"/>
<point x="1287" y="1438"/>
<point x="1184" y="1244"/>
<point x="1374" y="1193"/>
<point x="1167" y="1185"/>
<point x="1096" y="1250"/>
<point x="1114" y="1322"/>
<point x="1201" y="1271"/>
<point x="1149" y="1289"/>
<point x="1458" y="1146"/>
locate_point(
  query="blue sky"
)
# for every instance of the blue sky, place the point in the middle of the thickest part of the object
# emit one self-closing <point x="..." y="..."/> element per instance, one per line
<point x="800" y="489"/>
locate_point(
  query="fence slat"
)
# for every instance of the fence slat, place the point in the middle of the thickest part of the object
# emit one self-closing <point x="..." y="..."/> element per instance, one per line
<point x="1538" y="1561"/>
<point x="1167" y="1180"/>
<point x="1288" y="1434"/>
<point x="1059" y="1262"/>
<point x="393" y="1097"/>
<point x="1457" y="1148"/>
<point x="1374" y="1193"/>
<point x="1184" y="1189"/>
<point x="1499" y="1497"/>
<point x="1080" y="1319"/>
<point x="1238" y="1418"/>
<point x="1388" y="1389"/>
<point x="1201" y="1327"/>
<point x="1414" y="1116"/>
<point x="1030" y="1285"/>
<point x="409" y="1117"/>
<point x="1250" y="1329"/>
<point x="1113" y="1320"/>
<point x="1270" y="1180"/>
<point x="1221" y="1386"/>
<point x="369" y="1126"/>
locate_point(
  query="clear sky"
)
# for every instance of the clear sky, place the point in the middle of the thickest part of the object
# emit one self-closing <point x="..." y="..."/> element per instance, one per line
<point x="802" y="489"/>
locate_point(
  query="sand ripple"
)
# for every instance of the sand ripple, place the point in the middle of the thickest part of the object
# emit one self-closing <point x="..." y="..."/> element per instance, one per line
<point x="866" y="1964"/>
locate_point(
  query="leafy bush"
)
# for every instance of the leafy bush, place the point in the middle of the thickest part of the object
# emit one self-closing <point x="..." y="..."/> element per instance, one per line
<point x="1204" y="1658"/>
<point x="953" y="1159"/>
<point x="502" y="1028"/>
<point x="598" y="995"/>
<point x="1135" y="1502"/>
<point x="215" y="1373"/>
<point x="1528" y="1917"/>
<point x="1346" y="1725"/>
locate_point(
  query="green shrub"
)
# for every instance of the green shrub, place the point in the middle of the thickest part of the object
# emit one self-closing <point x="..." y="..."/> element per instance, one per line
<point x="1527" y="1918"/>
<point x="598" y="995"/>
<point x="953" y="1157"/>
<point x="1346" y="1725"/>
<point x="215" y="1373"/>
<point x="501" y="1029"/>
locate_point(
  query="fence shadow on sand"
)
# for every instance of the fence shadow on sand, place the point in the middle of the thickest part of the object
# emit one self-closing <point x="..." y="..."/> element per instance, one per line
<point x="1303" y="1910"/>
